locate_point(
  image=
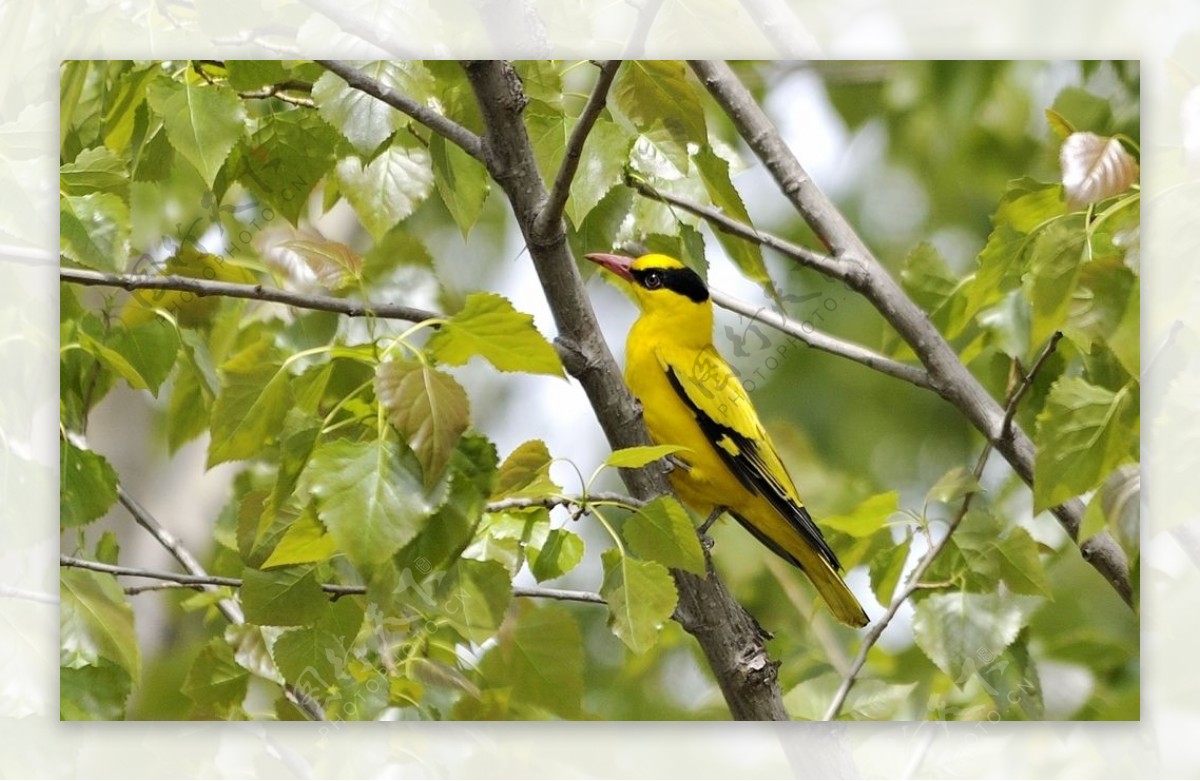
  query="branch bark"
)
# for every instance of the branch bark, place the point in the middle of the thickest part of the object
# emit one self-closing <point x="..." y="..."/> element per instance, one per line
<point x="727" y="635"/>
<point x="864" y="273"/>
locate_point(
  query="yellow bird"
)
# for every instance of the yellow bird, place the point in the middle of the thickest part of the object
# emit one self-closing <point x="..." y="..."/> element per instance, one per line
<point x="691" y="398"/>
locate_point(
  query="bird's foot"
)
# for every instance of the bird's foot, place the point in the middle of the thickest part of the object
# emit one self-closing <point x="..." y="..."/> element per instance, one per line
<point x="708" y="522"/>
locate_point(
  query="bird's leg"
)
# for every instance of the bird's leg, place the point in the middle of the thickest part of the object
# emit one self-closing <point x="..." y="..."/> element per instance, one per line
<point x="708" y="522"/>
<point x="674" y="463"/>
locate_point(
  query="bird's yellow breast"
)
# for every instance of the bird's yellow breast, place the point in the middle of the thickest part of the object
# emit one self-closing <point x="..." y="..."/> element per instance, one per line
<point x="706" y="481"/>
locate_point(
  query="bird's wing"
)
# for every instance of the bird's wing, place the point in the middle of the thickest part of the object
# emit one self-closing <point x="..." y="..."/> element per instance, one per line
<point x="726" y="415"/>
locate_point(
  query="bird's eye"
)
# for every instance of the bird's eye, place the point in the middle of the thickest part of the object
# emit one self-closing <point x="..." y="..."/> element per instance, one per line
<point x="653" y="280"/>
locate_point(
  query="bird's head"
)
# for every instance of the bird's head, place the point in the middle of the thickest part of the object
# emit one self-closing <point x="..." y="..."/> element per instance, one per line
<point x="661" y="285"/>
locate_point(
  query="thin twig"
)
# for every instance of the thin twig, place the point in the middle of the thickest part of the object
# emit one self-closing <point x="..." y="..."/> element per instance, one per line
<point x="175" y="580"/>
<point x="522" y="503"/>
<point x="228" y="607"/>
<point x="913" y="582"/>
<point x="823" y="341"/>
<point x="207" y="287"/>
<point x="438" y="123"/>
<point x="553" y="209"/>
<point x="826" y="264"/>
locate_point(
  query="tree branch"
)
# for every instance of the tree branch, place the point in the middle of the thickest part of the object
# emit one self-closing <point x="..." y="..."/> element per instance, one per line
<point x="170" y="580"/>
<point x="728" y="636"/>
<point x="913" y="582"/>
<point x="823" y="341"/>
<point x="578" y="502"/>
<point x="859" y="268"/>
<point x="207" y="287"/>
<point x="438" y="123"/>
<point x="827" y="265"/>
<point x="228" y="607"/>
<point x="552" y="212"/>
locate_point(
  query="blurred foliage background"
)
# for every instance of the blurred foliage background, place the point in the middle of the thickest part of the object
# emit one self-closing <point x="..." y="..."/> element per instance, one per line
<point x="912" y="152"/>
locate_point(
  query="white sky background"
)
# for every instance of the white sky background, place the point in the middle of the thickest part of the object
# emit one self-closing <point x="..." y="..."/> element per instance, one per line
<point x="32" y="40"/>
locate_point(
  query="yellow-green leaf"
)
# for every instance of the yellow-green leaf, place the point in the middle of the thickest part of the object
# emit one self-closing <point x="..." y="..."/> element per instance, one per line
<point x="490" y="327"/>
<point x="635" y="457"/>
<point x="428" y="407"/>
<point x="641" y="597"/>
<point x="662" y="531"/>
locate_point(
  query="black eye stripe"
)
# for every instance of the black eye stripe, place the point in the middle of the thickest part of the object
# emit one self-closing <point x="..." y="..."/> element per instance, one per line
<point x="683" y="281"/>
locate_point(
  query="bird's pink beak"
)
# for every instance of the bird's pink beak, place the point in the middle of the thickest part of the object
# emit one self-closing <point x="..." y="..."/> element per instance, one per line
<point x="617" y="264"/>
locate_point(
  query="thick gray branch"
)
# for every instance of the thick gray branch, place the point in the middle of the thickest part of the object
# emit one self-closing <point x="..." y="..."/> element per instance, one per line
<point x="949" y="377"/>
<point x="727" y="635"/>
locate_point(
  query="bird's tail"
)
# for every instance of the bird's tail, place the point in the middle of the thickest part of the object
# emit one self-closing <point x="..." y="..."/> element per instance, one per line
<point x="782" y="538"/>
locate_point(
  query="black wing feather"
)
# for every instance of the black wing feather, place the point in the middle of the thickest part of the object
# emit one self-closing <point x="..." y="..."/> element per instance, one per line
<point x="747" y="465"/>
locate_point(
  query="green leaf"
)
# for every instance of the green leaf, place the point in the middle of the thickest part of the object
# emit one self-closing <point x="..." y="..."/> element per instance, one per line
<point x="306" y="658"/>
<point x="1055" y="260"/>
<point x="304" y="542"/>
<point x="490" y="327"/>
<point x="953" y="486"/>
<point x="282" y="161"/>
<point x="1020" y="566"/>
<point x="461" y="181"/>
<point x="126" y="108"/>
<point x="1083" y="433"/>
<point x="95" y="622"/>
<point x="886" y="569"/>
<point x="525" y="474"/>
<point x="926" y="277"/>
<point x="203" y="121"/>
<point x="473" y="596"/>
<point x="368" y="496"/>
<point x="364" y="120"/>
<point x="641" y="597"/>
<point x="1082" y="110"/>
<point x="142" y="355"/>
<point x="746" y="255"/>
<point x="557" y="555"/>
<point x="867" y="518"/>
<point x="601" y="168"/>
<point x="96" y="692"/>
<point x="247" y="75"/>
<point x="1013" y="683"/>
<point x="1101" y="304"/>
<point x="658" y="91"/>
<point x="662" y="531"/>
<point x="449" y="530"/>
<point x="87" y="485"/>
<point x="544" y="659"/>
<point x="387" y="189"/>
<point x="216" y="683"/>
<point x="636" y="457"/>
<point x="250" y="407"/>
<point x="960" y="631"/>
<point x="870" y="699"/>
<point x="429" y="409"/>
<point x="94" y="170"/>
<point x="336" y="266"/>
<point x="283" y="597"/>
<point x="94" y="230"/>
